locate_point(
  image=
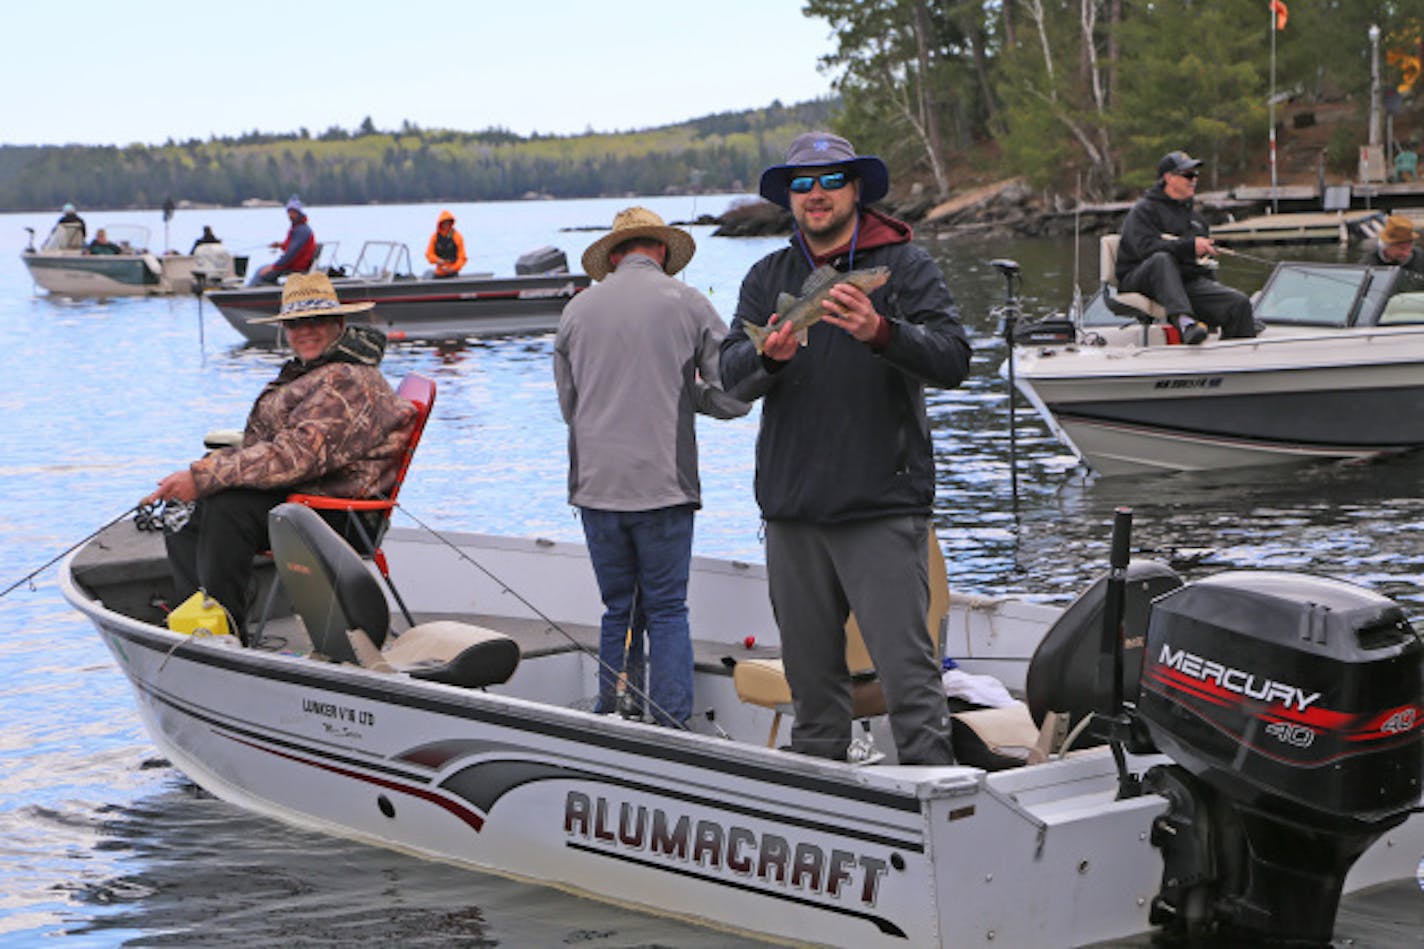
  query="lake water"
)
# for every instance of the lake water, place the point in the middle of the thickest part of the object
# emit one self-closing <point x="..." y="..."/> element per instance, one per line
<point x="103" y="843"/>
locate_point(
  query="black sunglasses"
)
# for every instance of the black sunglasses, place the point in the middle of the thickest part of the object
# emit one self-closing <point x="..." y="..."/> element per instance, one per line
<point x="830" y="181"/>
<point x="313" y="320"/>
<point x="1189" y="175"/>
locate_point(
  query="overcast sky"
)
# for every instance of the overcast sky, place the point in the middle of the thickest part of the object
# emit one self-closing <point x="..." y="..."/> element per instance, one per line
<point x="115" y="73"/>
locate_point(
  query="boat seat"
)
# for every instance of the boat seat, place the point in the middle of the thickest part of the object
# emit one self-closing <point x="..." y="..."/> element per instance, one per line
<point x="347" y="618"/>
<point x="1138" y="306"/>
<point x="1062" y="676"/>
<point x="763" y="681"/>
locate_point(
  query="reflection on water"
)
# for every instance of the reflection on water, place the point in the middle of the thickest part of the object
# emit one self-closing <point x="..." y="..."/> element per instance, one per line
<point x="103" y="843"/>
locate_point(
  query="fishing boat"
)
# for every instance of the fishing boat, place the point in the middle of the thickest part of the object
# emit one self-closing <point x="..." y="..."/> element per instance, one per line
<point x="1337" y="372"/>
<point x="1261" y="754"/>
<point x="409" y="307"/>
<point x="62" y="267"/>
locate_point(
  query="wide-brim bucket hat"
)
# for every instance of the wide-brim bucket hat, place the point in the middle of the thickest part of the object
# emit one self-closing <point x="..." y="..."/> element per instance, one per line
<point x="815" y="149"/>
<point x="306" y="295"/>
<point x="631" y="223"/>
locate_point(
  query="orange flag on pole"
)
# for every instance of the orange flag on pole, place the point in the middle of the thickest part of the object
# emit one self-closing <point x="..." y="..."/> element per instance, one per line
<point x="1279" y="9"/>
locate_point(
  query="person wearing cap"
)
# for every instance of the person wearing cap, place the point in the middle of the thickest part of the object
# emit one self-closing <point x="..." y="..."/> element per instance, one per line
<point x="70" y="215"/>
<point x="845" y="473"/>
<point x="207" y="237"/>
<point x="1395" y="246"/>
<point x="298" y="248"/>
<point x="329" y="423"/>
<point x="635" y="357"/>
<point x="1167" y="253"/>
<point x="446" y="250"/>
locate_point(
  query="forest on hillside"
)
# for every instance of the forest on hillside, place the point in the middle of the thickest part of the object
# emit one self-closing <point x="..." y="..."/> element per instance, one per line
<point x="723" y="152"/>
<point x="1088" y="94"/>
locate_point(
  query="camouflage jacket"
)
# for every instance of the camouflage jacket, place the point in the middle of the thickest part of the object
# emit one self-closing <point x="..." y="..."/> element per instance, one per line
<point x="337" y="429"/>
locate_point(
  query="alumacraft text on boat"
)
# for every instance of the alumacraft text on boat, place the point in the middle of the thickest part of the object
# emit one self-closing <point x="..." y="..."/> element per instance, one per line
<point x="766" y="858"/>
<point x="1236" y="680"/>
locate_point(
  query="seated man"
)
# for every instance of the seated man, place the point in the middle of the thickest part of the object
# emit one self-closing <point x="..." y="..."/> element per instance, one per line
<point x="1395" y="246"/>
<point x="1406" y="164"/>
<point x="1164" y="241"/>
<point x="328" y="424"/>
<point x="102" y="245"/>
<point x="298" y="248"/>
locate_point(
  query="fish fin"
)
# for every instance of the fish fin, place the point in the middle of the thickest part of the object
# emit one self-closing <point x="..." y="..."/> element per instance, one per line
<point x="757" y="334"/>
<point x="801" y="335"/>
<point x="822" y="276"/>
<point x="784" y="302"/>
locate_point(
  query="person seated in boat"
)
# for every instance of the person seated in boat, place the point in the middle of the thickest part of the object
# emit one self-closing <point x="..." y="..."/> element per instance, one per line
<point x="1395" y="246"/>
<point x="446" y="250"/>
<point x="207" y="237"/>
<point x="845" y="467"/>
<point x="1167" y="253"/>
<point x="298" y="248"/>
<point x="627" y="360"/>
<point x="102" y="245"/>
<point x="1406" y="163"/>
<point x="329" y="423"/>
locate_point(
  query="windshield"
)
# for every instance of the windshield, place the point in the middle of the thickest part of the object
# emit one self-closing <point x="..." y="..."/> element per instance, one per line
<point x="1313" y="294"/>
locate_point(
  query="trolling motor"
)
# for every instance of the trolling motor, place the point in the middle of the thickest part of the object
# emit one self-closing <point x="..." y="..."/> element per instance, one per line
<point x="1292" y="709"/>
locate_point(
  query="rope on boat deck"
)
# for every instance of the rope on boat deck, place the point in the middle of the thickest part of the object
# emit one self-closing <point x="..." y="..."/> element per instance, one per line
<point x="29" y="577"/>
<point x="505" y="587"/>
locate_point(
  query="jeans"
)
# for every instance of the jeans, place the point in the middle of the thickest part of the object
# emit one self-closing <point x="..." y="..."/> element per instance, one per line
<point x="647" y="555"/>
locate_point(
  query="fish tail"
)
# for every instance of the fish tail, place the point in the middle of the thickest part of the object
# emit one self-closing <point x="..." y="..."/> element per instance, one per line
<point x="757" y="334"/>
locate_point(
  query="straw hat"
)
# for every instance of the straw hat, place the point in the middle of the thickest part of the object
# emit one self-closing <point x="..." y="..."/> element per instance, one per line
<point x="305" y="295"/>
<point x="636" y="222"/>
<point x="1397" y="229"/>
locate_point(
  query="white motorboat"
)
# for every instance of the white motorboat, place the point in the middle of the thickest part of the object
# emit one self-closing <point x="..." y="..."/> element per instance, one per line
<point x="1289" y="710"/>
<point x="63" y="267"/>
<point x="1337" y="373"/>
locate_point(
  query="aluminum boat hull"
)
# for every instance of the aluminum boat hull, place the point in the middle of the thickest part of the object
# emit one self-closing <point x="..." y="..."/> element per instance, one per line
<point x="701" y="825"/>
<point x="427" y="310"/>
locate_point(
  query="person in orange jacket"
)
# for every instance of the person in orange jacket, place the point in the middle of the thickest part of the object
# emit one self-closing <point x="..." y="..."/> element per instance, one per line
<point x="447" y="248"/>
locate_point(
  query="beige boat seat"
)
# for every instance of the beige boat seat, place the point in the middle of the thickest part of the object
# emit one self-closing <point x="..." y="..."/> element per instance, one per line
<point x="1139" y="306"/>
<point x="763" y="681"/>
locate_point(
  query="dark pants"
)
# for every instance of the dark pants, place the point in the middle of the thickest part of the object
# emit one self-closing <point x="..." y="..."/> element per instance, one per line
<point x="214" y="550"/>
<point x="1210" y="301"/>
<point x="877" y="568"/>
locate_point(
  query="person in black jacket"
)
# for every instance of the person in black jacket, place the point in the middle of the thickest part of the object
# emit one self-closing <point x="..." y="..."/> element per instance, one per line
<point x="1167" y="253"/>
<point x="845" y="473"/>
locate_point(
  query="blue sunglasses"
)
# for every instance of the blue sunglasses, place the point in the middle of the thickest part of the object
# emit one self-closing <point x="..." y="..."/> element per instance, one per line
<point x="831" y="181"/>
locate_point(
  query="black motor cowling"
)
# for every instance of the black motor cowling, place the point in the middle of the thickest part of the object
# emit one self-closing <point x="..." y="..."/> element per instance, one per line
<point x="1292" y="707"/>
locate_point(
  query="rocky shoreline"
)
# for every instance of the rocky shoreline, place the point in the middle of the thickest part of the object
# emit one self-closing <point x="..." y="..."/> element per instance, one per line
<point x="1008" y="208"/>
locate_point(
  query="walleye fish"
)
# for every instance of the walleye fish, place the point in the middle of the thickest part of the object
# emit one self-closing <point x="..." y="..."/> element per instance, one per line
<point x="804" y="311"/>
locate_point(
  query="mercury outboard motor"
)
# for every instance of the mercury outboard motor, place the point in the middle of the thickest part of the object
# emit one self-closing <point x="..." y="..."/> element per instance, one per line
<point x="1292" y="707"/>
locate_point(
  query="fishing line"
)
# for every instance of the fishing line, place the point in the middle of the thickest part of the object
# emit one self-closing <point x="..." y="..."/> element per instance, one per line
<point x="38" y="570"/>
<point x="506" y="588"/>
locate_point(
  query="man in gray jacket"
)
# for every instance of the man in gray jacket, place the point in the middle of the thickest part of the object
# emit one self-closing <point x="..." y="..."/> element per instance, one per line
<point x="635" y="357"/>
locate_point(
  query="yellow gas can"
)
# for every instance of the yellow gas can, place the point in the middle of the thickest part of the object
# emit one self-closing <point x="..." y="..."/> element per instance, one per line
<point x="199" y="612"/>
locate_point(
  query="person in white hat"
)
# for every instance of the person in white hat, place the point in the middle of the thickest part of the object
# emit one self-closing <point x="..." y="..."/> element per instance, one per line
<point x="328" y="424"/>
<point x="298" y="248"/>
<point x="635" y="357"/>
<point x="845" y="468"/>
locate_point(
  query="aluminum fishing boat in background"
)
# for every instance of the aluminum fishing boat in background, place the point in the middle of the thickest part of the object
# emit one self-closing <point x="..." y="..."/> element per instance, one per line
<point x="62" y="267"/>
<point x="425" y="309"/>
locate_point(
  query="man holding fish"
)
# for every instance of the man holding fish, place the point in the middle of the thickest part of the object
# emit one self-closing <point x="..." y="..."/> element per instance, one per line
<point x="840" y="333"/>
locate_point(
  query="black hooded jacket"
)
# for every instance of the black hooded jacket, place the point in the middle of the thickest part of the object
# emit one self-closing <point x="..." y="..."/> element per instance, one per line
<point x="1156" y="223"/>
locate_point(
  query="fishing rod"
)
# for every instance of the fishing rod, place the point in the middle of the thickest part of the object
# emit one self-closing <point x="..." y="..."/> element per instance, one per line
<point x="637" y="692"/>
<point x="41" y="569"/>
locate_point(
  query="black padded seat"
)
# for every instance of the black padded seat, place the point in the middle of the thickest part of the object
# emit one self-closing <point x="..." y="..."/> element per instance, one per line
<point x="334" y="592"/>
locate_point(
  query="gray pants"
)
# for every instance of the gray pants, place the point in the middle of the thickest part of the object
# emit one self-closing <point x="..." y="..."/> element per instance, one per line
<point x="1205" y="299"/>
<point x="878" y="569"/>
